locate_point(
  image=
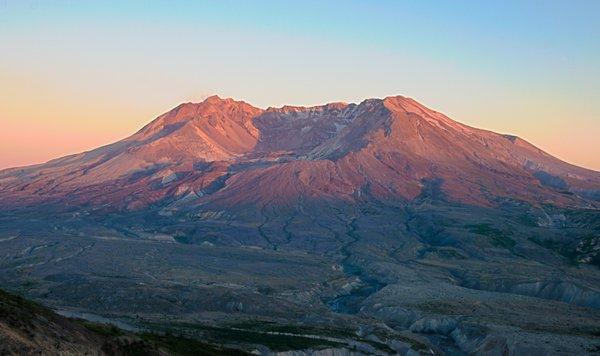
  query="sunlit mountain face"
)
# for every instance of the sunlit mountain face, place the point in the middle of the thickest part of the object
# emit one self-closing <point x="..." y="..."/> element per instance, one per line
<point x="385" y="150"/>
<point x="385" y="225"/>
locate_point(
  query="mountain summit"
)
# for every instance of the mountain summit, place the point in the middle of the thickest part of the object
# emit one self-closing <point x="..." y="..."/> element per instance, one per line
<point x="229" y="153"/>
<point x="385" y="223"/>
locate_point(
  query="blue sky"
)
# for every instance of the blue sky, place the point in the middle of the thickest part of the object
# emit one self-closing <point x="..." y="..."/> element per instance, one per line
<point x="101" y="69"/>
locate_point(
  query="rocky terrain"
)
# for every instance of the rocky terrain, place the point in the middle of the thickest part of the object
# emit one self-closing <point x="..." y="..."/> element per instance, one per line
<point x="27" y="328"/>
<point x="383" y="226"/>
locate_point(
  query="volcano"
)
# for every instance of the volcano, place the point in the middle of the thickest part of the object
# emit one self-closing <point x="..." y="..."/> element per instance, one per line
<point x="232" y="154"/>
<point x="385" y="226"/>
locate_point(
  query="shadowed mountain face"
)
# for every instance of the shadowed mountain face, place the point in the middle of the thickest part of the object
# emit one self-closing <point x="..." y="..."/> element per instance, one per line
<point x="389" y="218"/>
<point x="242" y="155"/>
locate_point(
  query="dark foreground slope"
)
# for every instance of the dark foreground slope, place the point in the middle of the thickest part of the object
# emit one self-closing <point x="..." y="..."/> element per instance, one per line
<point x="384" y="225"/>
<point x="27" y="328"/>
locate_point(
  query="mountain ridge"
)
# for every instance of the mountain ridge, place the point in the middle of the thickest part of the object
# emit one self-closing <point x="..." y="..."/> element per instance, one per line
<point x="390" y="145"/>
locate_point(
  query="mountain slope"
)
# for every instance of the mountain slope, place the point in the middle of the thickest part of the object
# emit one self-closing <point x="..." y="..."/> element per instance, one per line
<point x="228" y="152"/>
<point x="27" y="328"/>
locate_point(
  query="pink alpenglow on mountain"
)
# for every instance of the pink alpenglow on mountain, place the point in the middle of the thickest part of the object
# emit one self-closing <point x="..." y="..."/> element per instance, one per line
<point x="231" y="154"/>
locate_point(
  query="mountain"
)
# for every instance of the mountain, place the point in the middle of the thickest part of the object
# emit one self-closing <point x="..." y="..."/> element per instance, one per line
<point x="382" y="227"/>
<point x="230" y="153"/>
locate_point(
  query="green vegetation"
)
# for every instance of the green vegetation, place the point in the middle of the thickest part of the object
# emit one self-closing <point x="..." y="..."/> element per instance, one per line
<point x="498" y="237"/>
<point x="253" y="337"/>
<point x="579" y="330"/>
<point x="527" y="220"/>
<point x="183" y="239"/>
<point x="588" y="246"/>
<point x="108" y="330"/>
<point x="334" y="332"/>
<point x="449" y="253"/>
<point x="177" y="345"/>
<point x="441" y="307"/>
<point x="28" y="284"/>
<point x="149" y="343"/>
<point x="19" y="308"/>
<point x="573" y="252"/>
<point x="268" y="326"/>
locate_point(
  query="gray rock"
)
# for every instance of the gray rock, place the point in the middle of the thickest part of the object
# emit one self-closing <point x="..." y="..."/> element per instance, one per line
<point x="434" y="325"/>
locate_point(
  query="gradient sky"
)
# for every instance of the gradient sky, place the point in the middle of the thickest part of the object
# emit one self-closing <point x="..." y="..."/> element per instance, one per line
<point x="78" y="74"/>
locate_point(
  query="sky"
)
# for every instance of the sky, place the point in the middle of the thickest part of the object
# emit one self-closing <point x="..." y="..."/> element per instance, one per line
<point x="75" y="75"/>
